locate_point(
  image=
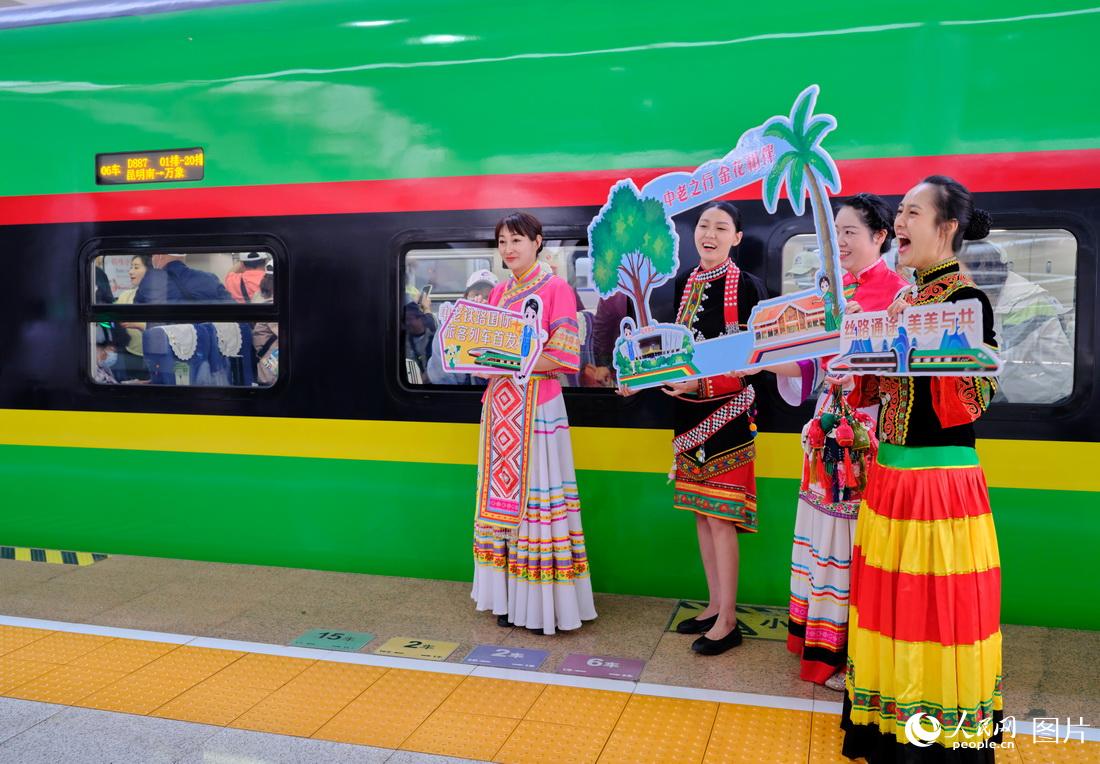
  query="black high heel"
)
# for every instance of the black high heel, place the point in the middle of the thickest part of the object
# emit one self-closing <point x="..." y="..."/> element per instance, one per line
<point x="696" y="625"/>
<point x="705" y="646"/>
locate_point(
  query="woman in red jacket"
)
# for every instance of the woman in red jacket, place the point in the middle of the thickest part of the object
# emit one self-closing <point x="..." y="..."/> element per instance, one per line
<point x="825" y="523"/>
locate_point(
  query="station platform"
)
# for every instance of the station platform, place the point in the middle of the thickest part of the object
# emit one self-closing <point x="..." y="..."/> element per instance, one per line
<point x="133" y="659"/>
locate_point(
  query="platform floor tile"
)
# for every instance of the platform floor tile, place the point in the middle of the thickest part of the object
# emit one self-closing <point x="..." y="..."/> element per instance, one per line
<point x="212" y="702"/>
<point x="304" y="704"/>
<point x="65" y="685"/>
<point x="661" y="731"/>
<point x="579" y="707"/>
<point x="15" y="672"/>
<point x="534" y="742"/>
<point x="374" y="723"/>
<point x="14" y="637"/>
<point x="826" y="738"/>
<point x="493" y="697"/>
<point x="124" y="655"/>
<point x="467" y="736"/>
<point x="390" y="709"/>
<point x="269" y="672"/>
<point x="59" y="647"/>
<point x="750" y="734"/>
<point x="138" y="693"/>
<point x="1046" y="751"/>
<point x="195" y="663"/>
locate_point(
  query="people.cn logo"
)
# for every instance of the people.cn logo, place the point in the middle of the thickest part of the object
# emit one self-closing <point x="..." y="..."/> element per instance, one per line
<point x="919" y="735"/>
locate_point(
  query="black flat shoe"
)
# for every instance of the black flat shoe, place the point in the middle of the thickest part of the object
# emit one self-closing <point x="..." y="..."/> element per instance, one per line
<point x="503" y="622"/>
<point x="695" y="625"/>
<point x="705" y="646"/>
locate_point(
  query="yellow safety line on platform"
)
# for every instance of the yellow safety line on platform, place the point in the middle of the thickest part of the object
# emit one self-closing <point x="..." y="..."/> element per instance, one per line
<point x="53" y="556"/>
<point x="1041" y="465"/>
<point x="424" y="711"/>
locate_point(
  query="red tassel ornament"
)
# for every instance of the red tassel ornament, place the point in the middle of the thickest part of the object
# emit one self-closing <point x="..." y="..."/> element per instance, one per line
<point x="823" y="477"/>
<point x="851" y="482"/>
<point x="817" y="435"/>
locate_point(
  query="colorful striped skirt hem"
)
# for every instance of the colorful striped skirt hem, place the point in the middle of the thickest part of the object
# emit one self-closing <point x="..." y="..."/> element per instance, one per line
<point x="924" y="639"/>
<point x="538" y="574"/>
<point x="729" y="496"/>
<point x="821" y="558"/>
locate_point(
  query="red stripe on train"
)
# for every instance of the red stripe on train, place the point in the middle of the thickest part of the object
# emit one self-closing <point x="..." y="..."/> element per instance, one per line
<point x="1026" y="171"/>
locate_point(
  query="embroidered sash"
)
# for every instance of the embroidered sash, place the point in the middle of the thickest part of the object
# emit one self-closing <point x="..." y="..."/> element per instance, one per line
<point x="505" y="449"/>
<point x="694" y="288"/>
<point x="506" y="435"/>
<point x="723" y="415"/>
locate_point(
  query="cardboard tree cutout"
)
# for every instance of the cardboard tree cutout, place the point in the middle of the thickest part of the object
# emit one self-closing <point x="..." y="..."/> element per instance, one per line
<point x="636" y="249"/>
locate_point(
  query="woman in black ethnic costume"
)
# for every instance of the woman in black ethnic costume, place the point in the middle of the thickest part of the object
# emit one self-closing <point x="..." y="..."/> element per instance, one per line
<point x="924" y="646"/>
<point x="714" y="447"/>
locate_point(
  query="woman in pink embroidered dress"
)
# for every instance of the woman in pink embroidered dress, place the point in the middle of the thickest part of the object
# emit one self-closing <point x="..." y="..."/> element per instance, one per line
<point x="533" y="575"/>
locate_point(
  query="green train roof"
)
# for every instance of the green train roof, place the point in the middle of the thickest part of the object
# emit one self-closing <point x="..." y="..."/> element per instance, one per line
<point x="303" y="91"/>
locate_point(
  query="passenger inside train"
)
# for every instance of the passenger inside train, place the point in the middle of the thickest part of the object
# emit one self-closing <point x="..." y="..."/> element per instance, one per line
<point x="197" y="352"/>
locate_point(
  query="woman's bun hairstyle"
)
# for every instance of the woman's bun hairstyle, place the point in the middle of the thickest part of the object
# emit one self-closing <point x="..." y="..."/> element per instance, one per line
<point x="978" y="227"/>
<point x="876" y="215"/>
<point x="954" y="202"/>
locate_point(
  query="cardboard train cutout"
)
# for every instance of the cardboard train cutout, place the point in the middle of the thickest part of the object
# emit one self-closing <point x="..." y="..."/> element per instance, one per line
<point x="481" y="339"/>
<point x="635" y="249"/>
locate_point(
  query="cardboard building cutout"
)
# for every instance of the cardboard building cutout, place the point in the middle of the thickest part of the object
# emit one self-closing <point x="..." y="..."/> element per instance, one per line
<point x="943" y="339"/>
<point x="635" y="249"/>
<point x="476" y="338"/>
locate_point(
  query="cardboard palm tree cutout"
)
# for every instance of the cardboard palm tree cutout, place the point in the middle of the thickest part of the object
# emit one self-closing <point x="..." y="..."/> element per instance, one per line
<point x="635" y="249"/>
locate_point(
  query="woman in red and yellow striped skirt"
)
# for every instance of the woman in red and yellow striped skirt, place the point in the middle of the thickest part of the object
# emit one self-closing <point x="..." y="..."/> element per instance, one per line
<point x="924" y="650"/>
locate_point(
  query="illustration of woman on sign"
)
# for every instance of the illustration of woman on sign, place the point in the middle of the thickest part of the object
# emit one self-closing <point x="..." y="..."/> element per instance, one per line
<point x="828" y="296"/>
<point x="627" y="331"/>
<point x="532" y="309"/>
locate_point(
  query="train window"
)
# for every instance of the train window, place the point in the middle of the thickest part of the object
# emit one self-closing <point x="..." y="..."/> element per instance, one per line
<point x="195" y="318"/>
<point x="202" y="354"/>
<point x="175" y="278"/>
<point x="1030" y="277"/>
<point x="436" y="275"/>
<point x="800" y="262"/>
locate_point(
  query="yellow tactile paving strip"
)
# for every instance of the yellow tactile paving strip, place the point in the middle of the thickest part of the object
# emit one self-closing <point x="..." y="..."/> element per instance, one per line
<point x="52" y="556"/>
<point x="424" y="711"/>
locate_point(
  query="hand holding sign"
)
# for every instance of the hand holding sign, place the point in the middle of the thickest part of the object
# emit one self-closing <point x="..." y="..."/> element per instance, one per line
<point x="942" y="339"/>
<point x="485" y="340"/>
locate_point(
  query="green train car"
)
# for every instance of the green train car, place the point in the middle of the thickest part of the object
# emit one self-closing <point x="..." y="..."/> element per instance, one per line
<point x="365" y="150"/>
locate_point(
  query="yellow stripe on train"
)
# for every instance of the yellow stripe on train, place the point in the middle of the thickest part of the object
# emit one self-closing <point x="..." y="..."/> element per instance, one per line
<point x="1041" y="465"/>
